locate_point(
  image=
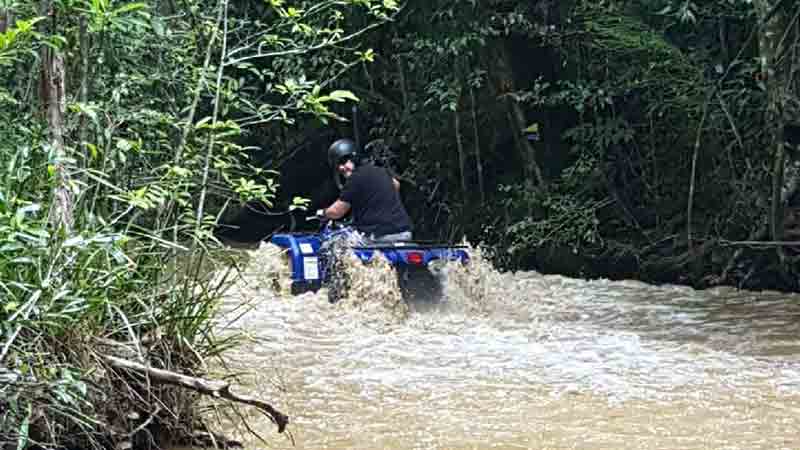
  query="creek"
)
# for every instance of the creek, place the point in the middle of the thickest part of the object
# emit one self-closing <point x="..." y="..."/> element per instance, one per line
<point x="517" y="361"/>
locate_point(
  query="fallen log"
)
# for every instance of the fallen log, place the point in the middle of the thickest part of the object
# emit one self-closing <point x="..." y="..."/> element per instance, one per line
<point x="218" y="389"/>
<point x="760" y="243"/>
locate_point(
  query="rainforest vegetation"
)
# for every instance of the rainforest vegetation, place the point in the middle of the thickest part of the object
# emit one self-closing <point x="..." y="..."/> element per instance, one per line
<point x="649" y="139"/>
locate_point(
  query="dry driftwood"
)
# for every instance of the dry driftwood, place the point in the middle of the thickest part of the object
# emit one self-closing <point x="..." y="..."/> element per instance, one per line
<point x="219" y="389"/>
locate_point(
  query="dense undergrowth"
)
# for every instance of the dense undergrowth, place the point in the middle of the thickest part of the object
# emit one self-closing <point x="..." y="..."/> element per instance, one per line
<point x="73" y="295"/>
<point x="120" y="146"/>
<point x="654" y="139"/>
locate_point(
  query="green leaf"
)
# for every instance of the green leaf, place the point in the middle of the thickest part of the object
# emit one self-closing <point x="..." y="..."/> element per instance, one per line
<point x="128" y="8"/>
<point x="299" y="203"/>
<point x="367" y="56"/>
<point x="92" y="150"/>
<point x="293" y="13"/>
<point x="203" y="123"/>
<point x="22" y="439"/>
<point x="124" y="145"/>
<point x="342" y="95"/>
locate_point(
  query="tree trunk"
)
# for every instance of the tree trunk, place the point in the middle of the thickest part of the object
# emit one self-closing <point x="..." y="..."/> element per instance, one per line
<point x="517" y="120"/>
<point x="461" y="158"/>
<point x="188" y="126"/>
<point x="771" y="46"/>
<point x="214" y="117"/>
<point x="83" y="94"/>
<point x="6" y="19"/>
<point x="401" y="80"/>
<point x="53" y="101"/>
<point x="516" y="116"/>
<point x="692" y="180"/>
<point x="84" y="44"/>
<point x="477" y="139"/>
<point x="723" y="40"/>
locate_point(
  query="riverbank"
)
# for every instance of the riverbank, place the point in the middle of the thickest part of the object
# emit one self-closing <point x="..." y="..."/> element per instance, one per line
<point x="749" y="265"/>
<point x="128" y="369"/>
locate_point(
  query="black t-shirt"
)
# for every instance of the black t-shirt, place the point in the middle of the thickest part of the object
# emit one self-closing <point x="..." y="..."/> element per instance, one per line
<point x="374" y="201"/>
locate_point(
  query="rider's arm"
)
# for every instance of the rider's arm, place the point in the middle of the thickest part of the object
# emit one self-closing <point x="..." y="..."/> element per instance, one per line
<point x="337" y="210"/>
<point x="393" y="176"/>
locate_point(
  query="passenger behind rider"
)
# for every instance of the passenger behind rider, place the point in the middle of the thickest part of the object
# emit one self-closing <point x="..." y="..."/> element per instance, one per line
<point x="372" y="194"/>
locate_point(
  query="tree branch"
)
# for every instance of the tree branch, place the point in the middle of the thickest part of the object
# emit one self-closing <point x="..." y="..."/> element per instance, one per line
<point x="301" y="51"/>
<point x="760" y="243"/>
<point x="693" y="176"/>
<point x="218" y="389"/>
<point x="731" y="121"/>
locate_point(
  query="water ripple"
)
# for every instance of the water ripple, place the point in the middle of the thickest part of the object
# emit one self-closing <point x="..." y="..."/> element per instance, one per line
<point x="525" y="361"/>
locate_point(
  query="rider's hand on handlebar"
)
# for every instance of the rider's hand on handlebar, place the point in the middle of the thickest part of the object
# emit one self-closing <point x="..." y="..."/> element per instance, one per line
<point x="321" y="215"/>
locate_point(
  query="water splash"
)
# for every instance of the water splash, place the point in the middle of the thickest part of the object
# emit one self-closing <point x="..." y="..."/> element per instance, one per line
<point x="472" y="287"/>
<point x="373" y="290"/>
<point x="541" y="361"/>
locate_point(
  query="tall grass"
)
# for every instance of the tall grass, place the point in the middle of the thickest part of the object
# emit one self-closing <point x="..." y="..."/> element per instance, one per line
<point x="68" y="298"/>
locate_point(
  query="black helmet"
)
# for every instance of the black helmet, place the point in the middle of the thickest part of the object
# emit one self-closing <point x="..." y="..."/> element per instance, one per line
<point x="343" y="148"/>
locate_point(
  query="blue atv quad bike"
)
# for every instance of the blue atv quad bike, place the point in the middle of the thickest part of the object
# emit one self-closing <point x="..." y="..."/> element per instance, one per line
<point x="316" y="259"/>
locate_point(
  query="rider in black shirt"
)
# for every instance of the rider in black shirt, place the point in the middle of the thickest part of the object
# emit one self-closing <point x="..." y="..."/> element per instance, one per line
<point x="372" y="193"/>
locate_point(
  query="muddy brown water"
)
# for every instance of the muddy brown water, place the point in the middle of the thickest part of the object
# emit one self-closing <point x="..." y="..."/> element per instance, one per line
<point x="517" y="361"/>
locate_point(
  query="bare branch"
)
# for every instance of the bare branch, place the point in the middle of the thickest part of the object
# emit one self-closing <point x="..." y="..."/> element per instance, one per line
<point x="761" y="243"/>
<point x="218" y="389"/>
<point x="732" y="122"/>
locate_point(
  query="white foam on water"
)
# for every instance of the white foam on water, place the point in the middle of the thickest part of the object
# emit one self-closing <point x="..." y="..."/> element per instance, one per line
<point x="536" y="360"/>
